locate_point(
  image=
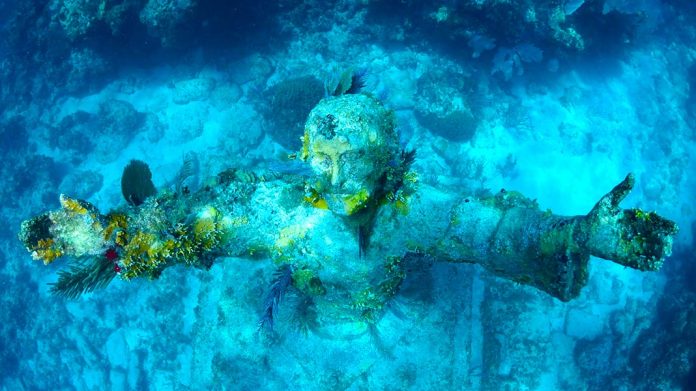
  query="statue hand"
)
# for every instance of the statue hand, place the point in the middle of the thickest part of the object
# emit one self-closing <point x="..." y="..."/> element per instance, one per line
<point x="630" y="237"/>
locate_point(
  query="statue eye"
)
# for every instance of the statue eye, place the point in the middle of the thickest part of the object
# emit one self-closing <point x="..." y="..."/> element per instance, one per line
<point x="323" y="162"/>
<point x="353" y="155"/>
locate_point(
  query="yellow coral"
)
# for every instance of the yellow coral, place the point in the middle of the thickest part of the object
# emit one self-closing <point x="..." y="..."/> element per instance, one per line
<point x="47" y="251"/>
<point x="308" y="282"/>
<point x="320" y="203"/>
<point x="138" y="254"/>
<point x="204" y="228"/>
<point x="313" y="198"/>
<point x="411" y="177"/>
<point x="209" y="229"/>
<point x="140" y="243"/>
<point x="116" y="222"/>
<point x="401" y="205"/>
<point x="121" y="238"/>
<point x="643" y="215"/>
<point x="135" y="270"/>
<point x="356" y="202"/>
<point x="146" y="253"/>
<point x="287" y="240"/>
<point x="72" y="205"/>
<point x="305" y="145"/>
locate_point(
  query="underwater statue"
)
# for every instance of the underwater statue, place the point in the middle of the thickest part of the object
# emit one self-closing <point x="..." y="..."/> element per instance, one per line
<point x="341" y="238"/>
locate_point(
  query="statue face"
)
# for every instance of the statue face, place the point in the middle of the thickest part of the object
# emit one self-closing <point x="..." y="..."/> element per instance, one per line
<point x="348" y="142"/>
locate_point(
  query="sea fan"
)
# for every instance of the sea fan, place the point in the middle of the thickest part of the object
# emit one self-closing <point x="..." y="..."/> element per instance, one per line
<point x="304" y="315"/>
<point x="349" y="81"/>
<point x="136" y="182"/>
<point x="282" y="278"/>
<point x="357" y="82"/>
<point x="85" y="275"/>
<point x="189" y="169"/>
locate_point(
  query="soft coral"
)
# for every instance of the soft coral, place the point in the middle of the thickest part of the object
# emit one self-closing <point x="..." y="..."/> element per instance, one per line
<point x="282" y="278"/>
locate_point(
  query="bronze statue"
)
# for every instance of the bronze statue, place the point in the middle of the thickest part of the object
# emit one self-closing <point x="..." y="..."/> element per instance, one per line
<point x="339" y="237"/>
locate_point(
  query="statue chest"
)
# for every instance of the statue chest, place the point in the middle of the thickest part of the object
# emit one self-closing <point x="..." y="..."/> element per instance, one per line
<point x="328" y="267"/>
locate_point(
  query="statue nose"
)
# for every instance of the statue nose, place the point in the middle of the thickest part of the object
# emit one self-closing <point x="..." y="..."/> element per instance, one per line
<point x="337" y="182"/>
<point x="335" y="175"/>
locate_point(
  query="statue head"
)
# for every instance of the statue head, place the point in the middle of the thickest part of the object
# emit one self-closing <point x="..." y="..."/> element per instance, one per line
<point x="349" y="142"/>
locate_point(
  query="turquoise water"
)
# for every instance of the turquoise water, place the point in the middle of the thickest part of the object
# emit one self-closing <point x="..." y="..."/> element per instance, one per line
<point x="558" y="102"/>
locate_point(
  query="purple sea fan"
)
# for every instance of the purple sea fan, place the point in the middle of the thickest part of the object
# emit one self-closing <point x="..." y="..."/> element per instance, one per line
<point x="282" y="278"/>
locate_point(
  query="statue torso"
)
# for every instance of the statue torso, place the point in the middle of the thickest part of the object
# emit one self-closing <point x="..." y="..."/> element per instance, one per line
<point x="343" y="284"/>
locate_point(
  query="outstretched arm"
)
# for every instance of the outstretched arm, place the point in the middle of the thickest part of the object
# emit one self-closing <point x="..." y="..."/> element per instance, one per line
<point x="510" y="236"/>
<point x="141" y="241"/>
<point x="130" y="243"/>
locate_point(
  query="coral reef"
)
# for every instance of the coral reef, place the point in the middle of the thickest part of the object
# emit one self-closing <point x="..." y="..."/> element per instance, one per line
<point x="285" y="108"/>
<point x="444" y="105"/>
<point x="189" y="90"/>
<point x="161" y="17"/>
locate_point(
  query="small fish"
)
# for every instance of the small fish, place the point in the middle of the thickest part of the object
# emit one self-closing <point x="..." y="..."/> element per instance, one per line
<point x="292" y="167"/>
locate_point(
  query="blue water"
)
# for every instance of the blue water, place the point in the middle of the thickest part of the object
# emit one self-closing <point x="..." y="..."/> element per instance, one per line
<point x="558" y="102"/>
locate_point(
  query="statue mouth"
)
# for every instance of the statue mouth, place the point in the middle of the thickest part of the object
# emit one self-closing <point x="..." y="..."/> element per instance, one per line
<point x="348" y="203"/>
